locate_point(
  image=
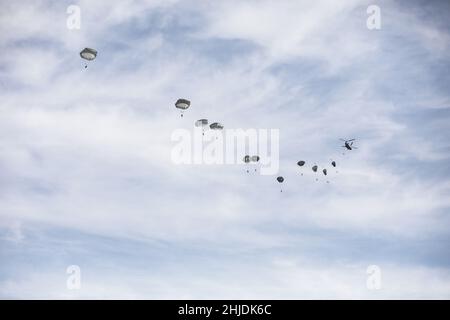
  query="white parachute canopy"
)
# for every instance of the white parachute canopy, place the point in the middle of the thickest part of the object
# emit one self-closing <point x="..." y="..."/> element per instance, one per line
<point x="201" y="123"/>
<point x="255" y="158"/>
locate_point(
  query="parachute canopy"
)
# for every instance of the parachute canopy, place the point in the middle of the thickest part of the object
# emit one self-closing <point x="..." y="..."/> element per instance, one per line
<point x="333" y="163"/>
<point x="280" y="179"/>
<point x="182" y="104"/>
<point x="301" y="163"/>
<point x="255" y="158"/>
<point x="216" y="126"/>
<point x="324" y="171"/>
<point x="88" y="54"/>
<point x="201" y="123"/>
<point x="246" y="159"/>
<point x="314" y="168"/>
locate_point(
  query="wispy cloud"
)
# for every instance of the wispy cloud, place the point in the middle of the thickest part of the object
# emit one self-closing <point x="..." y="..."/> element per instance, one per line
<point x="87" y="152"/>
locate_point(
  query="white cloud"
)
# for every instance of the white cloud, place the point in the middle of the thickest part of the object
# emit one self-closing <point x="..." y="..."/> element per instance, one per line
<point x="277" y="279"/>
<point x="89" y="150"/>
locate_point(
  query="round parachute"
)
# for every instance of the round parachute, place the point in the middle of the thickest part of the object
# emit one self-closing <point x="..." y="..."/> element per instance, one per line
<point x="88" y="54"/>
<point x="201" y="123"/>
<point x="314" y="168"/>
<point x="182" y="104"/>
<point x="280" y="179"/>
<point x="247" y="159"/>
<point x="301" y="163"/>
<point x="216" y="126"/>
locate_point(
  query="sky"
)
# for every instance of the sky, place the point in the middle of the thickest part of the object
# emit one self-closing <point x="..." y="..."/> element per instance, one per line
<point x="87" y="179"/>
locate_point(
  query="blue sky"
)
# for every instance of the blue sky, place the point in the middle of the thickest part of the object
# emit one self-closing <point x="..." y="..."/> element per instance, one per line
<point x="86" y="176"/>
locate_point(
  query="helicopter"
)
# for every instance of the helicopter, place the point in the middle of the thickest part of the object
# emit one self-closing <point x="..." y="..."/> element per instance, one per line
<point x="348" y="144"/>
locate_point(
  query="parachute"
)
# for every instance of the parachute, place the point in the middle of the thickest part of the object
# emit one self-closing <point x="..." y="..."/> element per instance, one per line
<point x="202" y="123"/>
<point x="247" y="159"/>
<point x="182" y="104"/>
<point x="314" y="168"/>
<point x="333" y="163"/>
<point x="301" y="163"/>
<point x="280" y="179"/>
<point x="88" y="54"/>
<point x="216" y="126"/>
<point x="325" y="172"/>
<point x="256" y="160"/>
